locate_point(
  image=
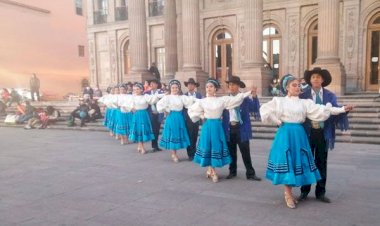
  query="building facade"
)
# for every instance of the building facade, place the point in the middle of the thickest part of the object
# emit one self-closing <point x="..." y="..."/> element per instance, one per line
<point x="259" y="40"/>
<point x="47" y="38"/>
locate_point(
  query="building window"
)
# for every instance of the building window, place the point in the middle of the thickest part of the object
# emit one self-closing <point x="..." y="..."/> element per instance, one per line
<point x="101" y="11"/>
<point x="156" y="7"/>
<point x="272" y="49"/>
<point x="79" y="7"/>
<point x="81" y="51"/>
<point x="312" y="44"/>
<point x="121" y="10"/>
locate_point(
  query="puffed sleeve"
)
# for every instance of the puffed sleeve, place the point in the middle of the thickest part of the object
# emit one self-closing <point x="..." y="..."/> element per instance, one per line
<point x="231" y="102"/>
<point x="195" y="111"/>
<point x="126" y="103"/>
<point x="152" y="99"/>
<point x="163" y="105"/>
<point x="114" y="101"/>
<point x="318" y="112"/>
<point x="187" y="100"/>
<point x="268" y="112"/>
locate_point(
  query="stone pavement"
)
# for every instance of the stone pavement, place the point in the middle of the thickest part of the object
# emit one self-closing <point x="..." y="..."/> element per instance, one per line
<point x="86" y="178"/>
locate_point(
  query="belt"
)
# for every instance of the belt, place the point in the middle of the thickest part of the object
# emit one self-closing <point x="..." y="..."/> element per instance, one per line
<point x="315" y="125"/>
<point x="234" y="123"/>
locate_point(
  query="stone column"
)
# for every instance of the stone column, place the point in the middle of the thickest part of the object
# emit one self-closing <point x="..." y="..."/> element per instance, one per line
<point x="254" y="73"/>
<point x="90" y="12"/>
<point x="171" y="63"/>
<point x="328" y="43"/>
<point x="191" y="43"/>
<point x="138" y="41"/>
<point x="179" y="35"/>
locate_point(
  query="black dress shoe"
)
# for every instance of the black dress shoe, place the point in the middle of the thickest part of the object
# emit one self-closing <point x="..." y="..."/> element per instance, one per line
<point x="254" y="177"/>
<point x="231" y="175"/>
<point x="303" y="196"/>
<point x="324" y="199"/>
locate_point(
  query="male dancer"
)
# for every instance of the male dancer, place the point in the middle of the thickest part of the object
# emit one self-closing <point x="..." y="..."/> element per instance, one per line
<point x="155" y="117"/>
<point x="321" y="134"/>
<point x="192" y="127"/>
<point x="237" y="126"/>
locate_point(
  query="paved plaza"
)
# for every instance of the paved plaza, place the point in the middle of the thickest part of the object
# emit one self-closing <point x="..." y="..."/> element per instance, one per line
<point x="50" y="177"/>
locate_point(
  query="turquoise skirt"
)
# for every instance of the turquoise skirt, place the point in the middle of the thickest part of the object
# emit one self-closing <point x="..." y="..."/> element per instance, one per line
<point x="174" y="135"/>
<point x="290" y="159"/>
<point x="141" y="127"/>
<point x="109" y="120"/>
<point x="123" y="123"/>
<point x="212" y="149"/>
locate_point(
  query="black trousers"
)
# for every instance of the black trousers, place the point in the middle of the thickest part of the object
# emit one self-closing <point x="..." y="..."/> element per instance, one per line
<point x="318" y="148"/>
<point x="244" y="149"/>
<point x="156" y="129"/>
<point x="192" y="129"/>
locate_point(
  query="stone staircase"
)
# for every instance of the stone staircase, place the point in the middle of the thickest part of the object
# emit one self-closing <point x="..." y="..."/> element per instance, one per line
<point x="364" y="120"/>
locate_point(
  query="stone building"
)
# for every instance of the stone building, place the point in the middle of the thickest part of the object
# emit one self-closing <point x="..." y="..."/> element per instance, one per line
<point x="47" y="38"/>
<point x="259" y="40"/>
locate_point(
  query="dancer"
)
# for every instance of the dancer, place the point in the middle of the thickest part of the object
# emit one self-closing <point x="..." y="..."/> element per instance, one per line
<point x="141" y="127"/>
<point x="212" y="150"/>
<point x="321" y="134"/>
<point x="192" y="127"/>
<point x="290" y="160"/>
<point x="237" y="126"/>
<point x="174" y="135"/>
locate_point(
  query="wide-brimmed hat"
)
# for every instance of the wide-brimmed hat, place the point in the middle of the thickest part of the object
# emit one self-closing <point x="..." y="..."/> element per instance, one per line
<point x="322" y="72"/>
<point x="191" y="81"/>
<point x="236" y="80"/>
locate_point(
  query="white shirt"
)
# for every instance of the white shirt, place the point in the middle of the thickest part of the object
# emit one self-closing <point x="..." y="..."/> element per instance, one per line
<point x="174" y="103"/>
<point x="212" y="107"/>
<point x="314" y="95"/>
<point x="296" y="110"/>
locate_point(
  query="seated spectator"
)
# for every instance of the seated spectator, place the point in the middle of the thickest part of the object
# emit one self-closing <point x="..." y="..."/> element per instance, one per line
<point x="39" y="120"/>
<point x="53" y="114"/>
<point x="3" y="108"/>
<point x="88" y="90"/>
<point x="5" y="95"/>
<point x="81" y="112"/>
<point x="97" y="93"/>
<point x="94" y="112"/>
<point x="14" y="97"/>
<point x="26" y="112"/>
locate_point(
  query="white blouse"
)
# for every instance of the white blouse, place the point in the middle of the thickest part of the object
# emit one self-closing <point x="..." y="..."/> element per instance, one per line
<point x="212" y="107"/>
<point x="174" y="103"/>
<point x="296" y="110"/>
<point x="140" y="102"/>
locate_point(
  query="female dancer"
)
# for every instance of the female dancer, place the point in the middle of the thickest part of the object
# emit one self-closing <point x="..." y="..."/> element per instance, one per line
<point x="123" y="118"/>
<point x="141" y="127"/>
<point x="291" y="162"/>
<point x="174" y="136"/>
<point x="212" y="150"/>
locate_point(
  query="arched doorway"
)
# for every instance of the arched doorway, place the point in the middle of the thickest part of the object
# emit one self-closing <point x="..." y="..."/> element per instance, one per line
<point x="222" y="55"/>
<point x="127" y="60"/>
<point x="312" y="44"/>
<point x="272" y="49"/>
<point x="373" y="54"/>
